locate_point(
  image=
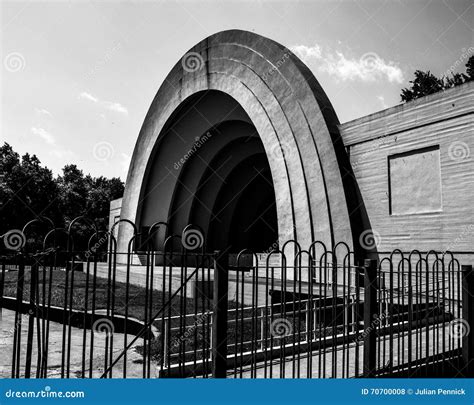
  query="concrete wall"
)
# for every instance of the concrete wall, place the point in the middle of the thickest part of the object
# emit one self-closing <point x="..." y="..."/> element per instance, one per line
<point x="414" y="165"/>
<point x="114" y="214"/>
<point x="291" y="114"/>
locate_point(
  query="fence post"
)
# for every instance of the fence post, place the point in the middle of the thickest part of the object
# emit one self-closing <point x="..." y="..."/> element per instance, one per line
<point x="370" y="311"/>
<point x="165" y="337"/>
<point x="219" y="315"/>
<point x="468" y="320"/>
<point x="31" y="320"/>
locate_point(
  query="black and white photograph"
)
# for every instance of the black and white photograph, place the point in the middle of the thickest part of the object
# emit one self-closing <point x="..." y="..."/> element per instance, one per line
<point x="240" y="190"/>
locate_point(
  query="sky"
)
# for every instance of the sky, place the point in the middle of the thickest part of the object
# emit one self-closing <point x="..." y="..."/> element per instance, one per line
<point x="77" y="77"/>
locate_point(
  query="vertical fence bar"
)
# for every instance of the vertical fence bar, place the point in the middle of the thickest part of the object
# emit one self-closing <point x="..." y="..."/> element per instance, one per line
<point x="410" y="317"/>
<point x="219" y="317"/>
<point x="2" y="286"/>
<point x="18" y="318"/>
<point x="166" y="333"/>
<point x="127" y="298"/>
<point x="468" y="318"/>
<point x="31" y="319"/>
<point x="370" y="310"/>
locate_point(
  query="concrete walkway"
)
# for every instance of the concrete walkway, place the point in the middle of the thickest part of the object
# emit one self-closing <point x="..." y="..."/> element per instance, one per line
<point x="244" y="293"/>
<point x="320" y="364"/>
<point x="7" y="322"/>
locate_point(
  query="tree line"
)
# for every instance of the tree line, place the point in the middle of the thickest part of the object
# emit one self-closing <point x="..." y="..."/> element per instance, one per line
<point x="426" y="83"/>
<point x="29" y="190"/>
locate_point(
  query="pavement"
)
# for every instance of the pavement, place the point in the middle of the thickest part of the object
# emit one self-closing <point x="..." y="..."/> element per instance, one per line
<point x="134" y="359"/>
<point x="320" y="364"/>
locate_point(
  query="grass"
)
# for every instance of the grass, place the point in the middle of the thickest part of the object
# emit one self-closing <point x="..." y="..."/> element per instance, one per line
<point x="99" y="295"/>
<point x="195" y="330"/>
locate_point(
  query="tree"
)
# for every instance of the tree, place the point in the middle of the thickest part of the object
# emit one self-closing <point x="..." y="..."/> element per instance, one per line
<point x="470" y="68"/>
<point x="100" y="192"/>
<point x="9" y="166"/>
<point x="456" y="79"/>
<point x="72" y="192"/>
<point x="426" y="83"/>
<point x="29" y="190"/>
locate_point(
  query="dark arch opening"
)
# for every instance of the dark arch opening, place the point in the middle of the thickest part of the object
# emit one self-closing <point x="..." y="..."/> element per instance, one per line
<point x="211" y="170"/>
<point x="245" y="211"/>
<point x="234" y="201"/>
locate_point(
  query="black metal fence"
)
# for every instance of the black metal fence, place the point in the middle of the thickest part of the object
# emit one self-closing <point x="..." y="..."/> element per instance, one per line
<point x="419" y="302"/>
<point x="289" y="313"/>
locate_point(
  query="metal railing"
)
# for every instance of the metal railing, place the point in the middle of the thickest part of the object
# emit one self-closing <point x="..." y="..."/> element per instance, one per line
<point x="315" y="313"/>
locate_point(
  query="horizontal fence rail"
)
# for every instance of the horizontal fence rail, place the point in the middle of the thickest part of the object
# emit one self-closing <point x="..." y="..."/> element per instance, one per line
<point x="180" y="311"/>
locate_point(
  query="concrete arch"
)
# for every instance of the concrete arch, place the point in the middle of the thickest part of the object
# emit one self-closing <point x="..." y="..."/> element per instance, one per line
<point x="244" y="77"/>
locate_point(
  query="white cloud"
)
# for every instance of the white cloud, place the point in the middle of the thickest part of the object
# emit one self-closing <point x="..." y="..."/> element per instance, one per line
<point x="109" y="105"/>
<point x="87" y="96"/>
<point x="125" y="161"/>
<point x="117" y="107"/>
<point x="45" y="135"/>
<point x="307" y="52"/>
<point x="42" y="111"/>
<point x="368" y="68"/>
<point x="382" y="101"/>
